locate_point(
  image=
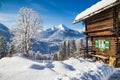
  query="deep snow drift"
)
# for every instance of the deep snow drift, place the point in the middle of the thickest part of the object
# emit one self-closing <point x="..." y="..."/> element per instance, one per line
<point x="17" y="68"/>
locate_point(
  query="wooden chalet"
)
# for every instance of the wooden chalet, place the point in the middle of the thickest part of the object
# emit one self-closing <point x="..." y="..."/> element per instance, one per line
<point x="102" y="27"/>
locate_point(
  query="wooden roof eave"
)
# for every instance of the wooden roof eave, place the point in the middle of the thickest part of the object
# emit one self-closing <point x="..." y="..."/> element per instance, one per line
<point x="98" y="11"/>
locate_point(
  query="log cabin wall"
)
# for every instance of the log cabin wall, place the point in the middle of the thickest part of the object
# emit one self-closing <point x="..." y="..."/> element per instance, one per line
<point x="112" y="49"/>
<point x="99" y="26"/>
<point x="118" y="54"/>
<point x="118" y="10"/>
<point x="100" y="23"/>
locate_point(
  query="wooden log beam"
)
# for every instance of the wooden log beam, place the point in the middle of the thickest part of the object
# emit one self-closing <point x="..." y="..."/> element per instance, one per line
<point x="107" y="29"/>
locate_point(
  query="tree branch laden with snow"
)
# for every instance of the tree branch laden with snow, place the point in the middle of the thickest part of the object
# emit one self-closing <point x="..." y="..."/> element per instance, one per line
<point x="25" y="29"/>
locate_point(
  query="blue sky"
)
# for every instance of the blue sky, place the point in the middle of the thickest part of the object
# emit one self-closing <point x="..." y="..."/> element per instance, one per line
<point x="53" y="12"/>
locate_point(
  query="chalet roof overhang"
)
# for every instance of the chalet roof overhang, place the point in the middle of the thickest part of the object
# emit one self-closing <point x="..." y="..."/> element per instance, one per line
<point x="95" y="9"/>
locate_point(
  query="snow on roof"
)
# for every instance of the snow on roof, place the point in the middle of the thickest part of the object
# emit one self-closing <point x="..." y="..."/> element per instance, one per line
<point x="98" y="7"/>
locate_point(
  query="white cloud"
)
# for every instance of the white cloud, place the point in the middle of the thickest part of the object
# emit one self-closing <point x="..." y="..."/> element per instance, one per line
<point x="8" y="19"/>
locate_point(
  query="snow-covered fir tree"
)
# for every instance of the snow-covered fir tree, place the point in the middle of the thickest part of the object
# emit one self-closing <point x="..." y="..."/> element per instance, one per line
<point x="11" y="51"/>
<point x="69" y="48"/>
<point x="62" y="52"/>
<point x="72" y="48"/>
<point x="55" y="56"/>
<point x="25" y="29"/>
<point x="3" y="47"/>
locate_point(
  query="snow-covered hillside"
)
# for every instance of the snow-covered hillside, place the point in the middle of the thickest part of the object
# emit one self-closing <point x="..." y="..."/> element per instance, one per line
<point x="17" y="68"/>
<point x="4" y="31"/>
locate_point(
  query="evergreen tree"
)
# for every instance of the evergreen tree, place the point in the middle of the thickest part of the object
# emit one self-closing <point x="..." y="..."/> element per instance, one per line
<point x="64" y="50"/>
<point x="72" y="48"/>
<point x="55" y="57"/>
<point x="82" y="43"/>
<point x="3" y="47"/>
<point x="62" y="53"/>
<point x="12" y="51"/>
<point x="68" y="48"/>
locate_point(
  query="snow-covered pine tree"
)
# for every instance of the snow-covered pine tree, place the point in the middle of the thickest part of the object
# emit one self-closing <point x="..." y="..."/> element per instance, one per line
<point x="72" y="48"/>
<point x="67" y="48"/>
<point x="3" y="47"/>
<point x="82" y="43"/>
<point x="62" y="53"/>
<point x="65" y="51"/>
<point x="55" y="57"/>
<point x="25" y="29"/>
<point x="12" y="51"/>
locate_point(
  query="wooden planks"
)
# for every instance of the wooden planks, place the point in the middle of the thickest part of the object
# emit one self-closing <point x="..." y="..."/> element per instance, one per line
<point x="105" y="26"/>
<point x="101" y="21"/>
<point x="111" y="51"/>
<point x="100" y="56"/>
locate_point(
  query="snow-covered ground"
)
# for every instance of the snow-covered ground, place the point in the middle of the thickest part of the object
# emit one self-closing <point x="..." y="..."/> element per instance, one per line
<point x="18" y="68"/>
<point x="116" y="75"/>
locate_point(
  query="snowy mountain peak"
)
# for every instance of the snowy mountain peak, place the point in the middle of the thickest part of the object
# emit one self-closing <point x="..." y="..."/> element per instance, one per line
<point x="53" y="28"/>
<point x="62" y="27"/>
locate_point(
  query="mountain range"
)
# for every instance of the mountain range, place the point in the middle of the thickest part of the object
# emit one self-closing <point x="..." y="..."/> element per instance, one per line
<point x="60" y="33"/>
<point x="50" y="39"/>
<point x="4" y="31"/>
